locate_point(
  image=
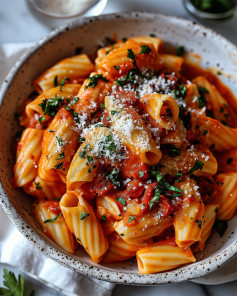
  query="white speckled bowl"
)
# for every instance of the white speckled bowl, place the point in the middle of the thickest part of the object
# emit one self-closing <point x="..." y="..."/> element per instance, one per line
<point x="87" y="33"/>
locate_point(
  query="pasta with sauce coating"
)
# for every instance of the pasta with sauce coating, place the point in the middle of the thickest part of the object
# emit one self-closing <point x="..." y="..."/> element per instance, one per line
<point x="133" y="155"/>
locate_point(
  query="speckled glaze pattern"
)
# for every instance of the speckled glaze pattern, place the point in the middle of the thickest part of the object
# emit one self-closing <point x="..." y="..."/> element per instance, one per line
<point x="87" y="33"/>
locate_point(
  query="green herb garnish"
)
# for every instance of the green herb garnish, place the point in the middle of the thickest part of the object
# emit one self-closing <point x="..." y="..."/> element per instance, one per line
<point x="197" y="166"/>
<point x="94" y="80"/>
<point x="84" y="215"/>
<point x="103" y="218"/>
<point x="145" y="49"/>
<point x="114" y="177"/>
<point x="37" y="186"/>
<point x="202" y="89"/>
<point x="60" y="141"/>
<point x="12" y="286"/>
<point x="121" y="200"/>
<point x="63" y="82"/>
<point x="73" y="101"/>
<point x="81" y="139"/>
<point x="131" y="218"/>
<point x="58" y="166"/>
<point x="199" y="222"/>
<point x="54" y="219"/>
<point x="174" y="151"/>
<point x="41" y="119"/>
<point x="61" y="156"/>
<point x="55" y="82"/>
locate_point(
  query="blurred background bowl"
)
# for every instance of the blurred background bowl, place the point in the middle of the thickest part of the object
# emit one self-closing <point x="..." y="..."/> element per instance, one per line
<point x="53" y="17"/>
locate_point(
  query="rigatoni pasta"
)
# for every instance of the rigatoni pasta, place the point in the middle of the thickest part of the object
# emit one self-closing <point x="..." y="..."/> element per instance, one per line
<point x="129" y="157"/>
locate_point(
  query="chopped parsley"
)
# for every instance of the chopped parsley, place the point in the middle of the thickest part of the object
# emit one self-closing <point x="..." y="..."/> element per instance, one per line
<point x="179" y="175"/>
<point x="205" y="132"/>
<point x="103" y="218"/>
<point x="84" y="215"/>
<point x="131" y="54"/>
<point x="102" y="105"/>
<point x="113" y="112"/>
<point x="229" y="160"/>
<point x="87" y="148"/>
<point x="182" y="91"/>
<point x="37" y="186"/>
<point x="121" y="200"/>
<point x="81" y="139"/>
<point x="73" y="101"/>
<point x="180" y="51"/>
<point x="61" y="156"/>
<point x="197" y="166"/>
<point x="41" y="119"/>
<point x="63" y="82"/>
<point x="116" y="68"/>
<point x="107" y="146"/>
<point x="201" y="101"/>
<point x="58" y="166"/>
<point x="174" y="151"/>
<point x="163" y="187"/>
<point x="141" y="174"/>
<point x="51" y="106"/>
<point x="131" y="218"/>
<point x="199" y="222"/>
<point x="114" y="177"/>
<point x="202" y="89"/>
<point x="121" y="234"/>
<point x="100" y="125"/>
<point x="145" y="49"/>
<point x="54" y="219"/>
<point x="185" y="116"/>
<point x="55" y="82"/>
<point x="94" y="80"/>
<point x="156" y="197"/>
<point x="60" y="141"/>
<point x="89" y="158"/>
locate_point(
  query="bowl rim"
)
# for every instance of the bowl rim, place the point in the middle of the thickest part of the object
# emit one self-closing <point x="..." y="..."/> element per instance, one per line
<point x="188" y="272"/>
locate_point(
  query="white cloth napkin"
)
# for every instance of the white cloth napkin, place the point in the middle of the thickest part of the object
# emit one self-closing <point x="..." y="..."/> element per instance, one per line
<point x="17" y="251"/>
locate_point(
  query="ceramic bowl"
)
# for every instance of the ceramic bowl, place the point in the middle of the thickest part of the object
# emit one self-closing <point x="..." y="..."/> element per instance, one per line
<point x="216" y="52"/>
